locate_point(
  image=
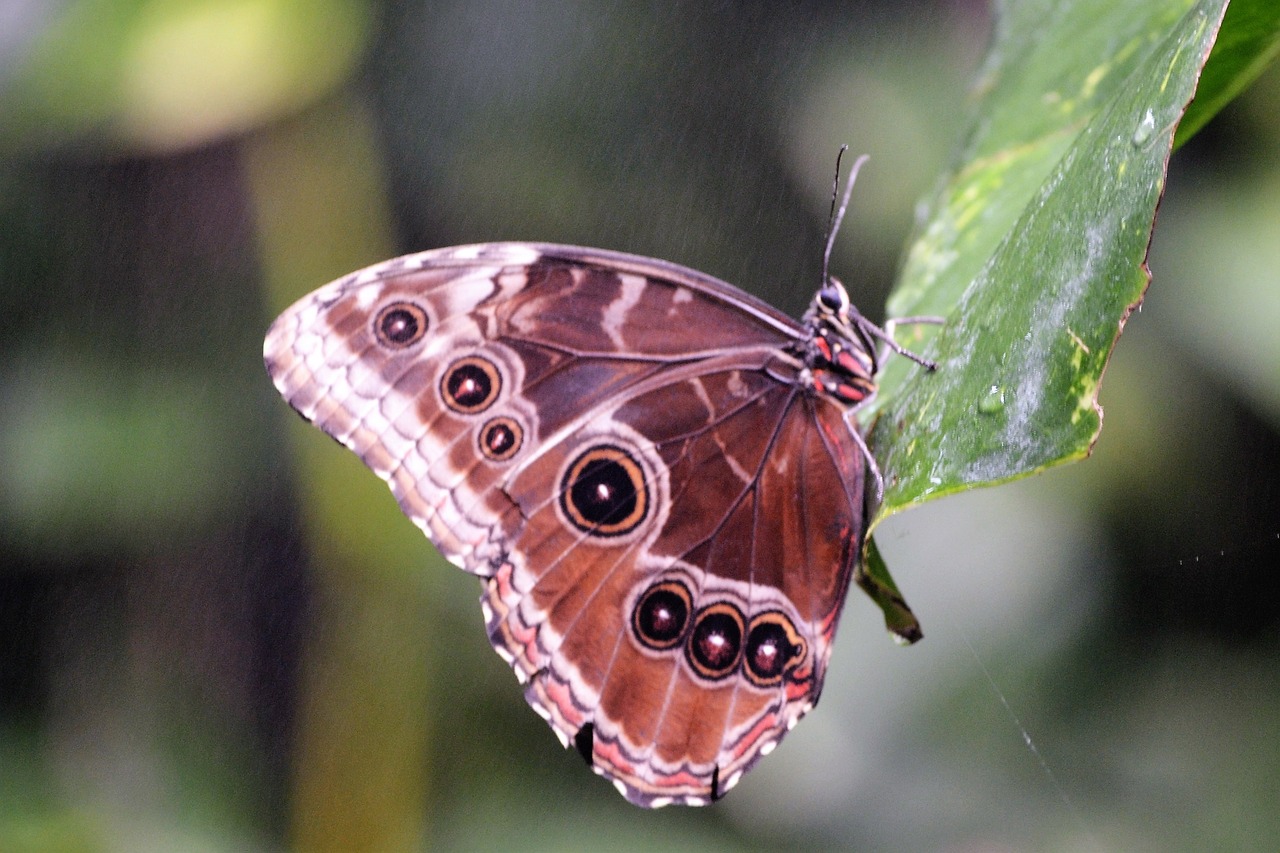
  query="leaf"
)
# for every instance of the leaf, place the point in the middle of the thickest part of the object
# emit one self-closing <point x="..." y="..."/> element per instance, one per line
<point x="1247" y="43"/>
<point x="1033" y="247"/>
<point x="873" y="576"/>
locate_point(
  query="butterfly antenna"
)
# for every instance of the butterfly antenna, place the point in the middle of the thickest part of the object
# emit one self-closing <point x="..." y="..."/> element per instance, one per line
<point x="837" y="214"/>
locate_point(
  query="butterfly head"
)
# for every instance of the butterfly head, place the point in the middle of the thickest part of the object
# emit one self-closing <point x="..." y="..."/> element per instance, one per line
<point x="839" y="354"/>
<point x="831" y="299"/>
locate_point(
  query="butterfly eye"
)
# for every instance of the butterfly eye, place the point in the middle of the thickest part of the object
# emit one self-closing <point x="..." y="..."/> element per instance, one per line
<point x="832" y="297"/>
<point x="400" y="325"/>
<point x="500" y="439"/>
<point x="773" y="647"/>
<point x="604" y="492"/>
<point x="470" y="385"/>
<point x="662" y="615"/>
<point x="716" y="641"/>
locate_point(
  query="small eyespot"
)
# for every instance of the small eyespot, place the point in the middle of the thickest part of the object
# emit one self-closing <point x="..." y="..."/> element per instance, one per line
<point x="604" y="492"/>
<point x="715" y="643"/>
<point x="400" y="325"/>
<point x="661" y="616"/>
<point x="773" y="648"/>
<point x="470" y="385"/>
<point x="500" y="439"/>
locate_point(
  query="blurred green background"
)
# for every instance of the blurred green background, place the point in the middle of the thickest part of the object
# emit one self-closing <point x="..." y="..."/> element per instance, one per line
<point x="217" y="632"/>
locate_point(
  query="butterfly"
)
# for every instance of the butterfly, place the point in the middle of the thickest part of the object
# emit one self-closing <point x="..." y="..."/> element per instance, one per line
<point x="657" y="477"/>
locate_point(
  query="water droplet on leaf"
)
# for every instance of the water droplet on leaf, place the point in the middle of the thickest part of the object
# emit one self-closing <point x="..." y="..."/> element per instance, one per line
<point x="993" y="402"/>
<point x="1146" y="128"/>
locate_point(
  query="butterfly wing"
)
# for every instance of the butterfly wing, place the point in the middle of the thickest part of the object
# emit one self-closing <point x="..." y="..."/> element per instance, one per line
<point x="665" y="517"/>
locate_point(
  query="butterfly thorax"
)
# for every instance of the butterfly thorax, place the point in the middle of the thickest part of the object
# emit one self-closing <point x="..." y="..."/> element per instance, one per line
<point x="838" y="355"/>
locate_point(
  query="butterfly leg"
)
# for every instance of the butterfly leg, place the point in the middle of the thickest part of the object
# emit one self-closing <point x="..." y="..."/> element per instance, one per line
<point x="851" y="421"/>
<point x="885" y="336"/>
<point x="922" y="319"/>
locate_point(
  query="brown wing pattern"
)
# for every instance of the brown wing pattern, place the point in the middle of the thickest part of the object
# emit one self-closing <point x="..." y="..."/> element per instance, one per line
<point x="665" y="517"/>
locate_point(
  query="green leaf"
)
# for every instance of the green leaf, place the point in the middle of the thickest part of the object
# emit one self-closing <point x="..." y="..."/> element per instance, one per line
<point x="873" y="576"/>
<point x="1247" y="43"/>
<point x="1033" y="247"/>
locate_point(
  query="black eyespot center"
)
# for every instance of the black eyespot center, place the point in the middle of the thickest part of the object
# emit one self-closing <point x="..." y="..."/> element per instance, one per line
<point x="471" y="385"/>
<point x="605" y="492"/>
<point x="661" y="616"/>
<point x="400" y="325"/>
<point x="714" y="646"/>
<point x="500" y="438"/>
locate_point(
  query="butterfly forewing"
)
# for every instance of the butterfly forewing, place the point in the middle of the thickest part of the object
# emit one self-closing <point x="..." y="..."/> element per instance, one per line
<point x="665" y="513"/>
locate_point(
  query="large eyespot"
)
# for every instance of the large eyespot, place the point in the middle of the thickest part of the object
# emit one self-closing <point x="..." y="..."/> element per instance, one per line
<point x="470" y="385"/>
<point x="400" y="325"/>
<point x="774" y="647"/>
<point x="662" y="615"/>
<point x="715" y="644"/>
<point x="500" y="438"/>
<point x="604" y="492"/>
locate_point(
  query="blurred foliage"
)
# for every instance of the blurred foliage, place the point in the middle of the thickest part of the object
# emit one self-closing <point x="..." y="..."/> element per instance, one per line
<point x="216" y="630"/>
<point x="163" y="75"/>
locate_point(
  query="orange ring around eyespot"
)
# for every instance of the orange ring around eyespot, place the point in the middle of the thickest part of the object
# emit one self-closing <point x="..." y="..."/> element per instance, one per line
<point x="470" y="385"/>
<point x="516" y="439"/>
<point x="599" y="468"/>
<point x="795" y="650"/>
<point x="400" y="325"/>
<point x="644" y="632"/>
<point x="708" y="669"/>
